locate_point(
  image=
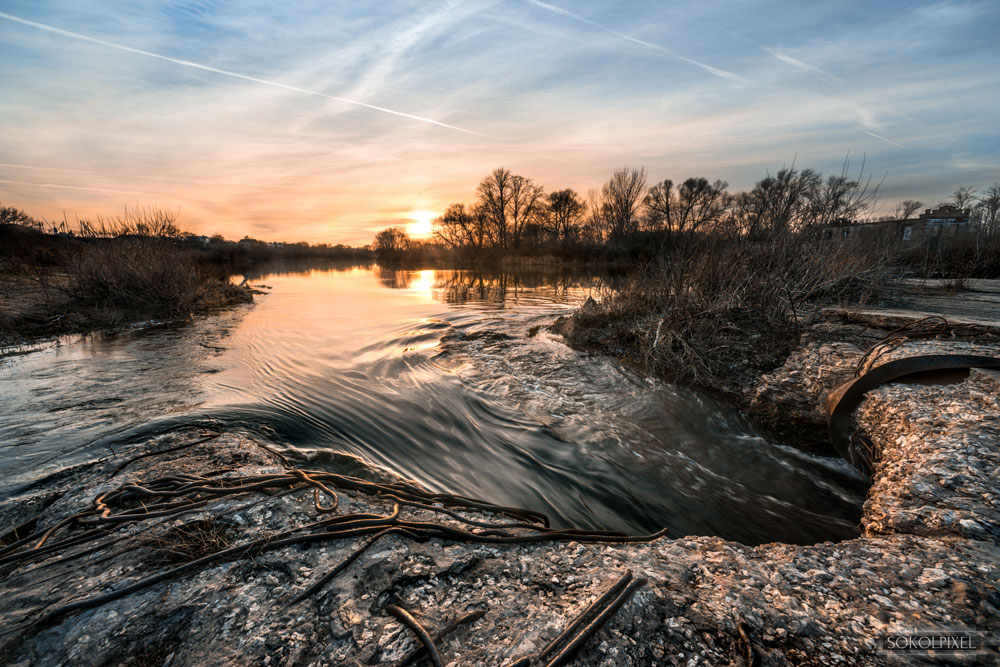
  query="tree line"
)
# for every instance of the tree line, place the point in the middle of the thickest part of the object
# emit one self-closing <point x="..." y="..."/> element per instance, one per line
<point x="512" y="213"/>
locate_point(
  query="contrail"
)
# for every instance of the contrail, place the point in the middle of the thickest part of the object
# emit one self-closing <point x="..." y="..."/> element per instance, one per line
<point x="795" y="62"/>
<point x="635" y="40"/>
<point x="75" y="187"/>
<point x="236" y="75"/>
<point x="12" y="165"/>
<point x="879" y="136"/>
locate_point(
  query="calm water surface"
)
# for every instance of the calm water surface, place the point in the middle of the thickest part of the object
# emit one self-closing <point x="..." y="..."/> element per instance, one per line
<point x="432" y="374"/>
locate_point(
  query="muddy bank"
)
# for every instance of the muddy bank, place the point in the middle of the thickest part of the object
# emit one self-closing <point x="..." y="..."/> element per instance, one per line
<point x="128" y="270"/>
<point x="929" y="558"/>
<point x="33" y="309"/>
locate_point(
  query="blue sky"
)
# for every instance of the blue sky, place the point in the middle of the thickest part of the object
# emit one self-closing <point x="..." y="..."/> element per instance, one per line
<point x="328" y="121"/>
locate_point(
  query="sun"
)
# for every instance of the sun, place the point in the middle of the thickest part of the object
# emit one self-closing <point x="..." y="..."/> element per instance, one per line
<point x="422" y="225"/>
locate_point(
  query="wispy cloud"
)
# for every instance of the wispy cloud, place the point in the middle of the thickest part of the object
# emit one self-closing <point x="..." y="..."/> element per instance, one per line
<point x="155" y="177"/>
<point x="881" y="138"/>
<point x="635" y="40"/>
<point x="237" y="75"/>
<point x="88" y="127"/>
<point x="60" y="186"/>
<point x="795" y="62"/>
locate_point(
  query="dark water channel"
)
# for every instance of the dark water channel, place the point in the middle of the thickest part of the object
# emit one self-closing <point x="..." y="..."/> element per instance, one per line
<point x="431" y="374"/>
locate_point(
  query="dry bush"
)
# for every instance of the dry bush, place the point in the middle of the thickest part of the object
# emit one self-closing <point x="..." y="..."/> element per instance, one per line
<point x="138" y="275"/>
<point x="133" y="222"/>
<point x="717" y="310"/>
<point x="975" y="255"/>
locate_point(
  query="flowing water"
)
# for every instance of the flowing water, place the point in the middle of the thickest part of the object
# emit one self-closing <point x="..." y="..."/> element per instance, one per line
<point x="440" y="377"/>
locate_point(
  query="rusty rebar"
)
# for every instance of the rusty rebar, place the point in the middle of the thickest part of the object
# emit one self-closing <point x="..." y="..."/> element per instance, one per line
<point x="413" y="624"/>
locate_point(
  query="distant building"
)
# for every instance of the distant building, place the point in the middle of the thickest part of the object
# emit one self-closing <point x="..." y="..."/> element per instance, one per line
<point x="929" y="228"/>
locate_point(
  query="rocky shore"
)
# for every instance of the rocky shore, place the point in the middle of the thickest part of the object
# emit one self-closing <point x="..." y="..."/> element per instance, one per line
<point x="928" y="558"/>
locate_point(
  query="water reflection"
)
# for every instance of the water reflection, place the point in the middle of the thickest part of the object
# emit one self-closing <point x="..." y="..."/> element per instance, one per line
<point x="463" y="286"/>
<point x="301" y="267"/>
<point x="432" y="374"/>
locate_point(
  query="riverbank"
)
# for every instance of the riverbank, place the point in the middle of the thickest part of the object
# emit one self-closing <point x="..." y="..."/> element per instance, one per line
<point x="52" y="285"/>
<point x="34" y="310"/>
<point x="782" y="385"/>
<point x="927" y="559"/>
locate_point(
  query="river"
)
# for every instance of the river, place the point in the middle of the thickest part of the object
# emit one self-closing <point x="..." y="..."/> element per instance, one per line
<point x="445" y="377"/>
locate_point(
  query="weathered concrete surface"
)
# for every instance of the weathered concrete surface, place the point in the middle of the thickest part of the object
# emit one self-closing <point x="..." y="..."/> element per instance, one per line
<point x="938" y="477"/>
<point x="792" y="398"/>
<point x="929" y="558"/>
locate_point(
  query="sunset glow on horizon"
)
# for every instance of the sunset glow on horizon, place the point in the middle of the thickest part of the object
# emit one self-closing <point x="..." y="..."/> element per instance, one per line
<point x="327" y="122"/>
<point x="422" y="226"/>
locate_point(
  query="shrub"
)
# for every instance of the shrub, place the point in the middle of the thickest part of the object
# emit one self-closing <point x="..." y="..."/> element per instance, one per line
<point x="716" y="310"/>
<point x="142" y="275"/>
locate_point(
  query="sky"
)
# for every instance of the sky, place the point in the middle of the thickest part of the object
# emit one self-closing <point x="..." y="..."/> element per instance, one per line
<point x="328" y="121"/>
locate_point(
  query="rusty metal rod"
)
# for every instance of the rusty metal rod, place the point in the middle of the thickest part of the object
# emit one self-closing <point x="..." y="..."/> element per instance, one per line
<point x="586" y="616"/>
<point x="413" y="624"/>
<point x="418" y="653"/>
<point x="589" y="630"/>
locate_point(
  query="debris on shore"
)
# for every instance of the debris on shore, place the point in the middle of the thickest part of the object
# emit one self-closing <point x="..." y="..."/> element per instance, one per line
<point x="191" y="548"/>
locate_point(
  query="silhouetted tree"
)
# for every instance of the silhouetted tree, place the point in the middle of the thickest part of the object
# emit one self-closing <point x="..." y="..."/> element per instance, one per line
<point x="694" y="204"/>
<point x="906" y="208"/>
<point x="614" y="210"/>
<point x="565" y="210"/>
<point x="391" y="243"/>
<point x="495" y="193"/>
<point x="458" y="228"/>
<point x="507" y="203"/>
<point x="989" y="207"/>
<point x="523" y="206"/>
<point x="778" y="202"/>
<point x="963" y="196"/>
<point x="660" y="203"/>
<point x="841" y="197"/>
<point x="15" y="216"/>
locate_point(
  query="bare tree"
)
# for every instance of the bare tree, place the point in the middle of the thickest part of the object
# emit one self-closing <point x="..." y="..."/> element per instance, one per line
<point x="494" y="199"/>
<point x="458" y="228"/>
<point x="525" y="201"/>
<point x="615" y="209"/>
<point x="963" y="196"/>
<point x="660" y="203"/>
<point x="842" y="197"/>
<point x="700" y="203"/>
<point x="390" y="243"/>
<point x="906" y="209"/>
<point x="565" y="209"/>
<point x="989" y="207"/>
<point x="778" y="202"/>
<point x="508" y="202"/>
<point x="691" y="206"/>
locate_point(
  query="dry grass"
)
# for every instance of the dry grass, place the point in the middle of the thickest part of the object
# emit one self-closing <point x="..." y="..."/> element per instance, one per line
<point x="717" y="311"/>
<point x="189" y="541"/>
<point x="145" y="275"/>
<point x="975" y="255"/>
<point x="136" y="222"/>
<point x="128" y="269"/>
